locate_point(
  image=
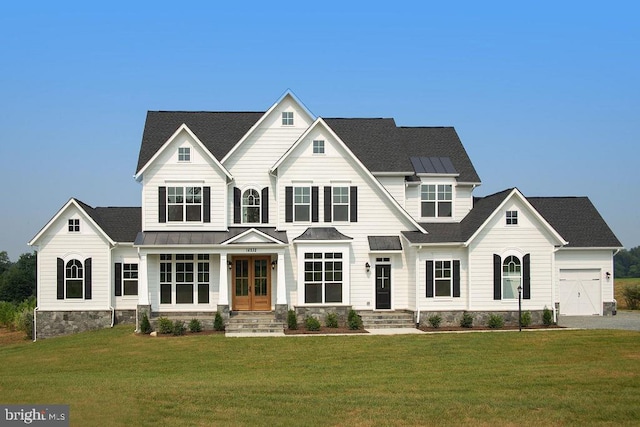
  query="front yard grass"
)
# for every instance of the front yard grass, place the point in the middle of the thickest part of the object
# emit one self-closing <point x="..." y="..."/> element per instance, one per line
<point x="619" y="286"/>
<point x="112" y="377"/>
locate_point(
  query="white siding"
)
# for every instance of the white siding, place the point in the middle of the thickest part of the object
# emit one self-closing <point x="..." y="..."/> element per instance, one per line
<point x="462" y="200"/>
<point x="443" y="303"/>
<point x="395" y="185"/>
<point x="128" y="255"/>
<point x="580" y="259"/>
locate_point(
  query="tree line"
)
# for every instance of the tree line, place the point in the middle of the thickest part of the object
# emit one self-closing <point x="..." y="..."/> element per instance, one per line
<point x="17" y="279"/>
<point x="627" y="263"/>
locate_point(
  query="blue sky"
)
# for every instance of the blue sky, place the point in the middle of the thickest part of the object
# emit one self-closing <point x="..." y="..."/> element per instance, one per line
<point x="544" y="95"/>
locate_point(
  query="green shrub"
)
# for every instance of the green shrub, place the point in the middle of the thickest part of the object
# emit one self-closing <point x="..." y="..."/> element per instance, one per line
<point x="467" y="320"/>
<point x="311" y="323"/>
<point x="218" y="322"/>
<point x="525" y="319"/>
<point x="354" y="321"/>
<point x="165" y="326"/>
<point x="292" y="320"/>
<point x="547" y="317"/>
<point x="7" y="314"/>
<point x="495" y="321"/>
<point x="631" y="296"/>
<point x="145" y="325"/>
<point x="24" y="322"/>
<point x="195" y="325"/>
<point x="332" y="320"/>
<point x="178" y="328"/>
<point x="435" y="320"/>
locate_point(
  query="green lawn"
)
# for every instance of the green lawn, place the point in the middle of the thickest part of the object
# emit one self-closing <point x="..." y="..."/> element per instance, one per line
<point x="619" y="286"/>
<point x="112" y="377"/>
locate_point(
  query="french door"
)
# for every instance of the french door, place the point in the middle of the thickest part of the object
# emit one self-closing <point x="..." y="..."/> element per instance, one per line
<point x="251" y="280"/>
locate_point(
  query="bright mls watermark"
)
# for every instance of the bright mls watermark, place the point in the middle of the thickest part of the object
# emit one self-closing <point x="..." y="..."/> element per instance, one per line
<point x="39" y="415"/>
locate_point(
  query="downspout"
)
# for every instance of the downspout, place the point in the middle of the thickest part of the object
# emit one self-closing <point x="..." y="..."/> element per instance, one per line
<point x="554" y="279"/>
<point x="113" y="310"/>
<point x="417" y="284"/>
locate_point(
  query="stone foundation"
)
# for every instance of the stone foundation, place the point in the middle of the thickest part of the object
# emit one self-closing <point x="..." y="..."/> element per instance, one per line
<point x="320" y="313"/>
<point x="55" y="323"/>
<point x="480" y="318"/>
<point x="610" y="308"/>
<point x="281" y="312"/>
<point x="125" y="317"/>
<point x="224" y="312"/>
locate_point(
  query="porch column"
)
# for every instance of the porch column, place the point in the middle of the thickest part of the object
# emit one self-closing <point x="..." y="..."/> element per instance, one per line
<point x="223" y="288"/>
<point x="143" y="284"/>
<point x="281" y="292"/>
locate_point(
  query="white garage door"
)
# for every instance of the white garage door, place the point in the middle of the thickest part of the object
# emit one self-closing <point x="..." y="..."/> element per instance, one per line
<point x="580" y="292"/>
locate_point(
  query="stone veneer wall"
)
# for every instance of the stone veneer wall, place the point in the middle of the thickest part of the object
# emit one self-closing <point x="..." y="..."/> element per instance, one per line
<point x="609" y="308"/>
<point x="320" y="313"/>
<point x="480" y="318"/>
<point x="55" y="323"/>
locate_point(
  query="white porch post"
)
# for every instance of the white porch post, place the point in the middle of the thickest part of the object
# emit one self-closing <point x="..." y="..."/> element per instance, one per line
<point x="143" y="284"/>
<point x="223" y="291"/>
<point x="281" y="294"/>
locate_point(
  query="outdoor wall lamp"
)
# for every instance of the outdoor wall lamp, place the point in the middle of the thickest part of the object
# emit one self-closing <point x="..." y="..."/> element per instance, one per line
<point x="273" y="264"/>
<point x="608" y="275"/>
<point x="229" y="264"/>
<point x="367" y="266"/>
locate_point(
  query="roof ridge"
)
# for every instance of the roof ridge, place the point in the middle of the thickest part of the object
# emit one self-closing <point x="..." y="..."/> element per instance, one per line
<point x="204" y="111"/>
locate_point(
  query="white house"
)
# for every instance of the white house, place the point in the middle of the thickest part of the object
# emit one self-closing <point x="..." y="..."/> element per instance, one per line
<point x="278" y="210"/>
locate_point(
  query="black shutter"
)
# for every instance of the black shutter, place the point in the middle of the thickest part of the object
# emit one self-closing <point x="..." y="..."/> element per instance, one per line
<point x="429" y="279"/>
<point x="237" y="209"/>
<point x="526" y="277"/>
<point x="314" y="205"/>
<point x="264" y="200"/>
<point x="497" y="277"/>
<point x="87" y="278"/>
<point x="353" y="200"/>
<point x="60" y="289"/>
<point x="162" y="204"/>
<point x="288" y="204"/>
<point x="206" y="207"/>
<point x="327" y="204"/>
<point x="456" y="278"/>
<point x="117" y="275"/>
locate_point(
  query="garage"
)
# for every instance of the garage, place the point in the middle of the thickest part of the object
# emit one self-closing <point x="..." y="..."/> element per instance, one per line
<point x="580" y="292"/>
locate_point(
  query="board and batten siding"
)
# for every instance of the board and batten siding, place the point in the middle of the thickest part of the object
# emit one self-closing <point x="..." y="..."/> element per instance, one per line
<point x="528" y="237"/>
<point x="587" y="259"/>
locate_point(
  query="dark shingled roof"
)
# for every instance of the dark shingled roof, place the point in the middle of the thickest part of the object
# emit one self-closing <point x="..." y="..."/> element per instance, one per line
<point x="121" y="224"/>
<point x="322" y="233"/>
<point x="218" y="131"/>
<point x="163" y="238"/>
<point x="384" y="243"/>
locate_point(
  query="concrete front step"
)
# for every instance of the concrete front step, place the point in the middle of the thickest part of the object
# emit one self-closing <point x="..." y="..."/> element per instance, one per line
<point x="386" y="320"/>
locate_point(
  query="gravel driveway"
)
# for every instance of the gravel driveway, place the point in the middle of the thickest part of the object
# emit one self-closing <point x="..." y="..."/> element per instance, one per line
<point x="629" y="320"/>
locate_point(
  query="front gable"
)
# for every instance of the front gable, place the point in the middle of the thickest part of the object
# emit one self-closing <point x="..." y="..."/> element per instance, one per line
<point x="252" y="236"/>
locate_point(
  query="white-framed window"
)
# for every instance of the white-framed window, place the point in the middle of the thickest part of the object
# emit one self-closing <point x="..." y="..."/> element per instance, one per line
<point x="287" y="118"/>
<point x="251" y="206"/>
<point x="184" y="279"/>
<point x="340" y="203"/>
<point x="74" y="225"/>
<point x="318" y="146"/>
<point x="74" y="280"/>
<point x="184" y="204"/>
<point x="443" y="279"/>
<point x="130" y="279"/>
<point x="302" y="204"/>
<point x="512" y="217"/>
<point x="323" y="277"/>
<point x="184" y="154"/>
<point x="511" y="277"/>
<point x="436" y="200"/>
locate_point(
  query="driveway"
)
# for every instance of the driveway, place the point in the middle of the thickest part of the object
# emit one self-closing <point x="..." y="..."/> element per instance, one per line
<point x="629" y="320"/>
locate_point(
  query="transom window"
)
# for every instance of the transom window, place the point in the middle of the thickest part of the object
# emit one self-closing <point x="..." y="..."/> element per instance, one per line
<point x="74" y="283"/>
<point x="74" y="225"/>
<point x="512" y="217"/>
<point x="184" y="154"/>
<point x="443" y="278"/>
<point x="287" y="118"/>
<point x="511" y="277"/>
<point x="436" y="200"/>
<point x="302" y="204"/>
<point x="184" y="204"/>
<point x="184" y="279"/>
<point x="340" y="199"/>
<point x="318" y="146"/>
<point x="322" y="277"/>
<point x="130" y="279"/>
<point x="251" y="206"/>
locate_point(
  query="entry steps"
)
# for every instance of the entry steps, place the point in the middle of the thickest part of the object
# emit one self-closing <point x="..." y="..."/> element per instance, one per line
<point x="253" y="323"/>
<point x="387" y="319"/>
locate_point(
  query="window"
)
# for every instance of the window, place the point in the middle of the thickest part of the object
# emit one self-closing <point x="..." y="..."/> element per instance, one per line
<point x="183" y="279"/>
<point x="184" y="204"/>
<point x="130" y="279"/>
<point x="511" y="277"/>
<point x="302" y="204"/>
<point x="184" y="154"/>
<point x="340" y="199"/>
<point x="443" y="278"/>
<point x="74" y="225"/>
<point x="251" y="206"/>
<point x="323" y="277"/>
<point x="287" y="118"/>
<point x="318" y="146"/>
<point x="74" y="283"/>
<point x="165" y="279"/>
<point x="203" y="279"/>
<point x="512" y="217"/>
<point x="436" y="200"/>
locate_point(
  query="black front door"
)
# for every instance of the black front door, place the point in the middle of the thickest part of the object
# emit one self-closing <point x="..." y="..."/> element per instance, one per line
<point x="383" y="286"/>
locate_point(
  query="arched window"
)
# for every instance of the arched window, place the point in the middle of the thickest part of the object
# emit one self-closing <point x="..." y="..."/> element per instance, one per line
<point x="74" y="283"/>
<point x="511" y="277"/>
<point x="251" y="206"/>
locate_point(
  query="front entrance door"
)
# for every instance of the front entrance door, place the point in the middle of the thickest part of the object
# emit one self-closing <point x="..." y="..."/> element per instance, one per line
<point x="251" y="283"/>
<point x="383" y="286"/>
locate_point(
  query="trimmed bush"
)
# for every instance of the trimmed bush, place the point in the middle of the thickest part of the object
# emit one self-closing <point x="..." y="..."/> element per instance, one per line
<point x="354" y="321"/>
<point x="218" y="323"/>
<point x="311" y="323"/>
<point x="435" y="320"/>
<point x="165" y="325"/>
<point x="145" y="325"/>
<point x="631" y="296"/>
<point x="495" y="321"/>
<point x="195" y="326"/>
<point x="331" y="320"/>
<point x="178" y="328"/>
<point x="467" y="320"/>
<point x="547" y="317"/>
<point x="292" y="320"/>
<point x="525" y="319"/>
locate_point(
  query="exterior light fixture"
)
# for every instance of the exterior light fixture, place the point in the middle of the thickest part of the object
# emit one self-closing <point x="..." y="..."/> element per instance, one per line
<point x="367" y="266"/>
<point x="273" y="264"/>
<point x="229" y="263"/>
<point x="608" y="275"/>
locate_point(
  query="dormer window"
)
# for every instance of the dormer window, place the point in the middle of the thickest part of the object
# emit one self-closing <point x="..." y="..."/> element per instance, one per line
<point x="287" y="118"/>
<point x="512" y="217"/>
<point x="318" y="146"/>
<point x="184" y="154"/>
<point x="74" y="226"/>
<point x="436" y="201"/>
